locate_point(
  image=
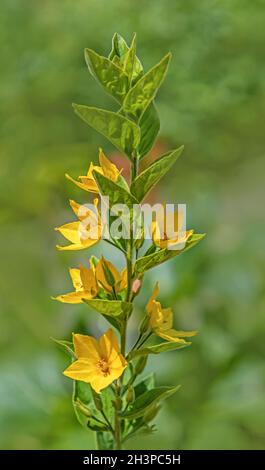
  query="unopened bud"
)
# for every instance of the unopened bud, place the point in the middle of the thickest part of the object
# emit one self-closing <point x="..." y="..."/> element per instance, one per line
<point x="130" y="395"/>
<point x="136" y="286"/>
<point x="82" y="408"/>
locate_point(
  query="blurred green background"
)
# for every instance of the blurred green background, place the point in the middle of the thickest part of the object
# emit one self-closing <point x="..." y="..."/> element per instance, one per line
<point x="213" y="102"/>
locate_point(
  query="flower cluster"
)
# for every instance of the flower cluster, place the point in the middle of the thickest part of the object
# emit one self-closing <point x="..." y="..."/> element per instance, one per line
<point x="108" y="395"/>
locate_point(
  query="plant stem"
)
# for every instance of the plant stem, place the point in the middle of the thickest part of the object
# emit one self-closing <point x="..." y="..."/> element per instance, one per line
<point x="129" y="264"/>
<point x="107" y="421"/>
<point x="117" y="431"/>
<point x="144" y="340"/>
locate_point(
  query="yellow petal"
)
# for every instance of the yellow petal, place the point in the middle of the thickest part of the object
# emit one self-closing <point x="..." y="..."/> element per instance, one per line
<point x="70" y="231"/>
<point x="156" y="233"/>
<point x="108" y="344"/>
<point x="74" y="297"/>
<point x="92" y="168"/>
<point x="84" y="212"/>
<point x="86" y="347"/>
<point x="156" y="315"/>
<point x="76" y="246"/>
<point x="184" y="334"/>
<point x="152" y="298"/>
<point x="100" y="274"/>
<point x="122" y="284"/>
<point x="170" y="335"/>
<point x="82" y="369"/>
<point x="167" y="319"/>
<point x="86" y="184"/>
<point x="88" y="280"/>
<point x="77" y="233"/>
<point x="89" y="183"/>
<point x="109" y="169"/>
<point x="99" y="381"/>
<point x="76" y="278"/>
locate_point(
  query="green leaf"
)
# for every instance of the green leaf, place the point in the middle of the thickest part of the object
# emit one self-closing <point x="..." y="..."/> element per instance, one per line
<point x="119" y="130"/>
<point x="67" y="346"/>
<point x="146" y="402"/>
<point x="131" y="64"/>
<point x="150" y="177"/>
<point x="113" y="79"/>
<point x="129" y="59"/>
<point x="149" y="125"/>
<point x="144" y="385"/>
<point x="144" y="91"/>
<point x="107" y="397"/>
<point x="153" y="260"/>
<point x="116" y="194"/>
<point x="112" y="308"/>
<point x="157" y="349"/>
<point x="119" y="47"/>
<point x="95" y="425"/>
<point x="82" y="393"/>
<point x="104" y="441"/>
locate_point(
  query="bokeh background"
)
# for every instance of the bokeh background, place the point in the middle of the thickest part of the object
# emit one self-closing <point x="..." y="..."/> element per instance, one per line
<point x="213" y="102"/>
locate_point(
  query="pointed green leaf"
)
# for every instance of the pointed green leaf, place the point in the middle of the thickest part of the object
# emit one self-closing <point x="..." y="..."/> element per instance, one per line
<point x="109" y="75"/>
<point x="131" y="64"/>
<point x="157" y="349"/>
<point x="129" y="59"/>
<point x="119" y="46"/>
<point x="112" y="308"/>
<point x="149" y="125"/>
<point x="146" y="402"/>
<point x="104" y="441"/>
<point x="149" y="177"/>
<point x="144" y="385"/>
<point x="153" y="260"/>
<point x="121" y="55"/>
<point x="116" y="194"/>
<point x="119" y="130"/>
<point x="144" y="91"/>
<point x="67" y="346"/>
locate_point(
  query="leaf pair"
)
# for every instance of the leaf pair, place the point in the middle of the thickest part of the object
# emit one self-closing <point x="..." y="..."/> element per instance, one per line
<point x="121" y="75"/>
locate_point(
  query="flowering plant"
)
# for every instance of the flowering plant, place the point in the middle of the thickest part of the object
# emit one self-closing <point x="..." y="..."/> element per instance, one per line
<point x="109" y="397"/>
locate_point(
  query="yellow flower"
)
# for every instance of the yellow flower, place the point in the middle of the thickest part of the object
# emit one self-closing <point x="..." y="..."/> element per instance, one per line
<point x="106" y="273"/>
<point x="98" y="362"/>
<point x="161" y="320"/>
<point x="167" y="230"/>
<point x="106" y="168"/>
<point x="85" y="232"/>
<point x="85" y="284"/>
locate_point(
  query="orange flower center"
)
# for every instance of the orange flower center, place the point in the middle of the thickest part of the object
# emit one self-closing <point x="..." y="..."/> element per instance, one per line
<point x="103" y="367"/>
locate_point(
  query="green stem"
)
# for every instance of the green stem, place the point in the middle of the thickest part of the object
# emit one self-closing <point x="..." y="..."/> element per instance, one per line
<point x="107" y="421"/>
<point x="129" y="263"/>
<point x="144" y="340"/>
<point x="117" y="431"/>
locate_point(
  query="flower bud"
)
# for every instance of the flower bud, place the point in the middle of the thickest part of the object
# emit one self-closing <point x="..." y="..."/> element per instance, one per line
<point x="136" y="286"/>
<point x="130" y="395"/>
<point x="82" y="408"/>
